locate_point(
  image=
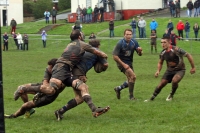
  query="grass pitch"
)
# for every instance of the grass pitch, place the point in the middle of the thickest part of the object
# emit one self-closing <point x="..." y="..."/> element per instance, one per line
<point x="178" y="116"/>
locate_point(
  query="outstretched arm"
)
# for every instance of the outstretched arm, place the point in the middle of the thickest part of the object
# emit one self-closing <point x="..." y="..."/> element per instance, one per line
<point x="190" y="59"/>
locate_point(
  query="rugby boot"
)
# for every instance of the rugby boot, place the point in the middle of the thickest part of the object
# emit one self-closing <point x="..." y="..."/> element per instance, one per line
<point x="9" y="116"/>
<point x="169" y="98"/>
<point x="18" y="92"/>
<point x="58" y="115"/>
<point x="99" y="111"/>
<point x="117" y="91"/>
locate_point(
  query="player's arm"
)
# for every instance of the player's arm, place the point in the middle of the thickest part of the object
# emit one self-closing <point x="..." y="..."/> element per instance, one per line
<point x="99" y="53"/>
<point x="190" y="59"/>
<point x="119" y="61"/>
<point x="159" y="67"/>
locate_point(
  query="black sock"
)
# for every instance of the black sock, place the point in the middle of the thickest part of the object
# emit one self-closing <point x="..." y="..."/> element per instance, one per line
<point x="89" y="102"/>
<point x="131" y="88"/>
<point x="124" y="85"/>
<point x="156" y="92"/>
<point x="71" y="104"/>
<point x="174" y="88"/>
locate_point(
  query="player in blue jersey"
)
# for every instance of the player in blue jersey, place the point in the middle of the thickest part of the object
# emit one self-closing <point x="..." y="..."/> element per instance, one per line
<point x="79" y="72"/>
<point x="123" y="55"/>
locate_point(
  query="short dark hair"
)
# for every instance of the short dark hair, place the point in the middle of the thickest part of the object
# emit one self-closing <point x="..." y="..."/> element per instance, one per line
<point x="166" y="37"/>
<point x="75" y="34"/>
<point x="94" y="42"/>
<point x="127" y="30"/>
<point x="52" y="62"/>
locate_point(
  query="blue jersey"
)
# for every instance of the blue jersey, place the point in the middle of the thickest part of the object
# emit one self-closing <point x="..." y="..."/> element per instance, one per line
<point x="88" y="61"/>
<point x="125" y="50"/>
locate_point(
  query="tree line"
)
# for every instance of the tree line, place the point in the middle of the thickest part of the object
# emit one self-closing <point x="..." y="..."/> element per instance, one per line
<point x="37" y="9"/>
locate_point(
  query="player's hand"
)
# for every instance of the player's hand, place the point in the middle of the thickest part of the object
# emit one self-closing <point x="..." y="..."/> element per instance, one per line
<point x="139" y="50"/>
<point x="192" y="70"/>
<point x="156" y="74"/>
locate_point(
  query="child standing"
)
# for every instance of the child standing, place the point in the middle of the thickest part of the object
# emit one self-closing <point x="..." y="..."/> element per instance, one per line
<point x="44" y="38"/>
<point x="153" y="41"/>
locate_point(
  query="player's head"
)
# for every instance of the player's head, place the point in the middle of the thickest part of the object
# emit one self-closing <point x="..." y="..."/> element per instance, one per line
<point x="75" y="34"/>
<point x="128" y="34"/>
<point x="153" y="31"/>
<point x="165" y="42"/>
<point x="94" y="43"/>
<point x="51" y="63"/>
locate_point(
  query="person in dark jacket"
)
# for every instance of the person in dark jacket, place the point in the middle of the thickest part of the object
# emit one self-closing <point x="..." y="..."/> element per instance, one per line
<point x="5" y="41"/>
<point x="177" y="6"/>
<point x="101" y="9"/>
<point x="111" y="27"/>
<point x="173" y="8"/>
<point x="170" y="26"/>
<point x="196" y="8"/>
<point x="15" y="39"/>
<point x="53" y="14"/>
<point x="96" y="11"/>
<point x="196" y="30"/>
<point x="13" y="25"/>
<point x="133" y="24"/>
<point x="104" y="4"/>
<point x="92" y="36"/>
<point x="187" y="29"/>
<point x="190" y="6"/>
<point x="83" y="14"/>
<point x="25" y="39"/>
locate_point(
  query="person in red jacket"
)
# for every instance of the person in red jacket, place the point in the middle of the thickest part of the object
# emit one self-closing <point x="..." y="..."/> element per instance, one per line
<point x="180" y="27"/>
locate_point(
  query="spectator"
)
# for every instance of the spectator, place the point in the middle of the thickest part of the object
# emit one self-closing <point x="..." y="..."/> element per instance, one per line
<point x="190" y="6"/>
<point x="104" y="4"/>
<point x="5" y="41"/>
<point x="165" y="3"/>
<point x="15" y="39"/>
<point x="133" y="24"/>
<point x="77" y="25"/>
<point x="83" y="14"/>
<point x="96" y="12"/>
<point x="170" y="26"/>
<point x="25" y="39"/>
<point x="89" y="14"/>
<point x="101" y="9"/>
<point x="170" y="7"/>
<point x="111" y="5"/>
<point x="13" y="25"/>
<point x="20" y="41"/>
<point x="153" y="41"/>
<point x="199" y="7"/>
<point x="173" y="37"/>
<point x="153" y="25"/>
<point x="173" y="8"/>
<point x="44" y="38"/>
<point x="166" y="34"/>
<point x="53" y="14"/>
<point x="47" y="15"/>
<point x="92" y="36"/>
<point x="196" y="8"/>
<point x="196" y="30"/>
<point x="187" y="29"/>
<point x="180" y="27"/>
<point x="178" y="7"/>
<point x="142" y="25"/>
<point x="138" y="26"/>
<point x="111" y="27"/>
<point x="78" y="13"/>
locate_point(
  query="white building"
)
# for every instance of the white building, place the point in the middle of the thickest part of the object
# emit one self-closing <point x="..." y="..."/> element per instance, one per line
<point x="14" y="9"/>
<point x="129" y="8"/>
